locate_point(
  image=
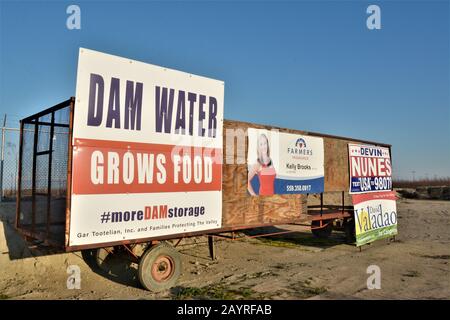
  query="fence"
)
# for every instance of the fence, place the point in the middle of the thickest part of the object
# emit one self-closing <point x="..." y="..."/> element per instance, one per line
<point x="9" y="163"/>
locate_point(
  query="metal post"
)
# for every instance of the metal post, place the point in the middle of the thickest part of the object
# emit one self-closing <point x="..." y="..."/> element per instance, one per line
<point x="49" y="177"/>
<point x="321" y="204"/>
<point x="33" y="181"/>
<point x="2" y="158"/>
<point x="69" y="172"/>
<point x="19" y="178"/>
<point x="212" y="251"/>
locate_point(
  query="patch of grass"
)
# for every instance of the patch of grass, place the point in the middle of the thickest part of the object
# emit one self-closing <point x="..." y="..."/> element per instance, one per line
<point x="224" y="291"/>
<point x="215" y="292"/>
<point x="260" y="274"/>
<point x="304" y="289"/>
<point x="276" y="243"/>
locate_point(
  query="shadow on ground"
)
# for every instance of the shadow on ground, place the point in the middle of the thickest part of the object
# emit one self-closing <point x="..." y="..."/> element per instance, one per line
<point x="115" y="267"/>
<point x="297" y="238"/>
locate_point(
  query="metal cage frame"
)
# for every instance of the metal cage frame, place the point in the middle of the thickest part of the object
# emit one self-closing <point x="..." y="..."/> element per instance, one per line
<point x="32" y="232"/>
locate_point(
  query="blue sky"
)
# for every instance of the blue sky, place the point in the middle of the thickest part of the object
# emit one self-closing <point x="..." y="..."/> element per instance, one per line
<point x="308" y="65"/>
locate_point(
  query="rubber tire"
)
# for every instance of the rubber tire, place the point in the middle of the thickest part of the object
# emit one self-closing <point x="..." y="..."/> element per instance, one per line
<point x="88" y="257"/>
<point x="322" y="233"/>
<point x="146" y="262"/>
<point x="95" y="258"/>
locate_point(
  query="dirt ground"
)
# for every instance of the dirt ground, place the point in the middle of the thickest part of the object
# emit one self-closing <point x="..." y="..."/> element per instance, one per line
<point x="294" y="266"/>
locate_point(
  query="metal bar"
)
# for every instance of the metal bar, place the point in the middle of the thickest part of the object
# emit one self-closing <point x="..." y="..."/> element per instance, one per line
<point x="40" y="225"/>
<point x="40" y="153"/>
<point x="329" y="206"/>
<point x="19" y="182"/>
<point x="321" y="203"/>
<point x="44" y="123"/>
<point x="270" y="234"/>
<point x="233" y="238"/>
<point x="48" y="110"/>
<point x="130" y="251"/>
<point x="212" y="251"/>
<point x="322" y="225"/>
<point x="222" y="236"/>
<point x="12" y="129"/>
<point x="301" y="224"/>
<point x="33" y="179"/>
<point x="49" y="173"/>
<point x="30" y="130"/>
<point x="343" y="202"/>
<point x="178" y="242"/>
<point x="41" y="193"/>
<point x="69" y="172"/>
<point x="331" y="215"/>
<point x="327" y="211"/>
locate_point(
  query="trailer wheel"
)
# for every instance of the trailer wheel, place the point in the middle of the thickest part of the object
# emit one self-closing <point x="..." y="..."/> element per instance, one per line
<point x="159" y="267"/>
<point x="323" y="232"/>
<point x="95" y="258"/>
<point x="100" y="256"/>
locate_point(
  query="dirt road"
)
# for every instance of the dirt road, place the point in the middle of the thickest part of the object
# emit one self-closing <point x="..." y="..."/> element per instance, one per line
<point x="297" y="266"/>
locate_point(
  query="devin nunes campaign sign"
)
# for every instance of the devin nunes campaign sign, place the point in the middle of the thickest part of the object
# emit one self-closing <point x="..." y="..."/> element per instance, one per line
<point x="147" y="151"/>
<point x="370" y="168"/>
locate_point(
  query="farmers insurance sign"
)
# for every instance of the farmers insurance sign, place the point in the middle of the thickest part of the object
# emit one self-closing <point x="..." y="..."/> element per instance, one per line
<point x="147" y="151"/>
<point x="284" y="163"/>
<point x="375" y="216"/>
<point x="370" y="168"/>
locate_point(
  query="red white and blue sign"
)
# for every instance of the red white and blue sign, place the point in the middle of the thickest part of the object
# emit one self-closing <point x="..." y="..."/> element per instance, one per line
<point x="147" y="151"/>
<point x="370" y="168"/>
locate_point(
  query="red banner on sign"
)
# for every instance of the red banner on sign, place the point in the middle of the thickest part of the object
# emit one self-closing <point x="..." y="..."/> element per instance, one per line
<point x="106" y="167"/>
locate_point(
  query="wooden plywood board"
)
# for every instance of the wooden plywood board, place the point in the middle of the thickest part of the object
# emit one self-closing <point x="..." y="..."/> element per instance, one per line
<point x="241" y="209"/>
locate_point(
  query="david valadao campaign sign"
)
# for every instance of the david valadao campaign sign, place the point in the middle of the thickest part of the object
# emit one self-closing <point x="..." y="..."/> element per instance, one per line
<point x="147" y="151"/>
<point x="284" y="163"/>
<point x="375" y="216"/>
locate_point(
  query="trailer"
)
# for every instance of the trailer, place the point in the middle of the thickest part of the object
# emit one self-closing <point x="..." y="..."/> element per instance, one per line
<point x="53" y="164"/>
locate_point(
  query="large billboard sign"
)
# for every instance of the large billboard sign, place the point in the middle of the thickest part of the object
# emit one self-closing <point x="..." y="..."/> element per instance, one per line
<point x="375" y="216"/>
<point x="370" y="168"/>
<point x="284" y="163"/>
<point x="147" y="151"/>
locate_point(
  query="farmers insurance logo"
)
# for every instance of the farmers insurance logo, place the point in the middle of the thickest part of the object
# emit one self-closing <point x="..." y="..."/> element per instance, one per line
<point x="300" y="148"/>
<point x="300" y="143"/>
